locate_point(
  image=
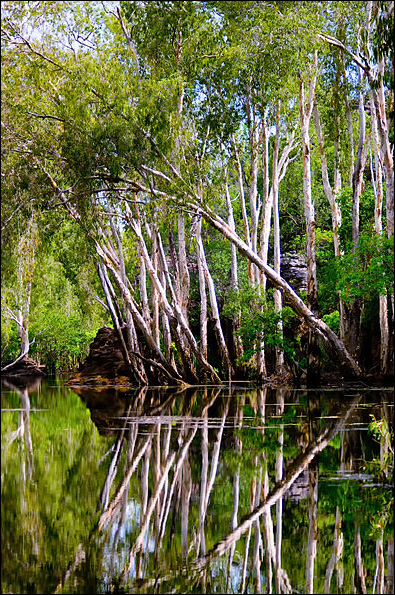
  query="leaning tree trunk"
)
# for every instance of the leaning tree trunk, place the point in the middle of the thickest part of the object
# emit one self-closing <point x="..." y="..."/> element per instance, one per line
<point x="332" y="343"/>
<point x="160" y="360"/>
<point x="253" y="193"/>
<point x="267" y="202"/>
<point x="130" y="341"/>
<point x="202" y="290"/>
<point x="239" y="171"/>
<point x="234" y="279"/>
<point x="143" y="277"/>
<point x="183" y="266"/>
<point x="117" y="322"/>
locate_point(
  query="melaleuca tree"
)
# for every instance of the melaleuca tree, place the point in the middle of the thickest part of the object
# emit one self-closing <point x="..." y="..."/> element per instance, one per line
<point x="128" y="148"/>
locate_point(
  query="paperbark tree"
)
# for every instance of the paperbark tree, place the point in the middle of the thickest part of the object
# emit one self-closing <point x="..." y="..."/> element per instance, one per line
<point x="331" y="193"/>
<point x="377" y="182"/>
<point x="306" y="106"/>
<point x="222" y="347"/>
<point x="234" y="276"/>
<point x="331" y="342"/>
<point x="148" y="151"/>
<point x="277" y="247"/>
<point x="27" y="250"/>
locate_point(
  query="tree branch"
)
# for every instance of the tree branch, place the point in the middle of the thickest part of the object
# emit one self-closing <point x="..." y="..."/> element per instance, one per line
<point x="337" y="43"/>
<point x="45" y="116"/>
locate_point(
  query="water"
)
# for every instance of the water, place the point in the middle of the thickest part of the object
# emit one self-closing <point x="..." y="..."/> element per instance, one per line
<point x="204" y="490"/>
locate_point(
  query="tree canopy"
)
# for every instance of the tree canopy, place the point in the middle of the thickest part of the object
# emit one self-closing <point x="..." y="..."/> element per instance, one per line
<point x="159" y="152"/>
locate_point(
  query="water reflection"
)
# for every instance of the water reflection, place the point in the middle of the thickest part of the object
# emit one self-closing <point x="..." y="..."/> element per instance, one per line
<point x="23" y="388"/>
<point x="235" y="490"/>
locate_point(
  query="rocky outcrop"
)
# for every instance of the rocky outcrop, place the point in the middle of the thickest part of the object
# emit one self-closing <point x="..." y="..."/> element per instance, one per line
<point x="294" y="270"/>
<point x="26" y="367"/>
<point x="105" y="364"/>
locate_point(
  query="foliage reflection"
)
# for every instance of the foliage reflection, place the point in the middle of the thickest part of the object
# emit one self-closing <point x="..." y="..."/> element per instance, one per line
<point x="206" y="489"/>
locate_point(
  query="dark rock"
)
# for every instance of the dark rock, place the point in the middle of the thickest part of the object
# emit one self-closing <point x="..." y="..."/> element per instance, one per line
<point x="105" y="364"/>
<point x="108" y="406"/>
<point x="26" y="367"/>
<point x="294" y="270"/>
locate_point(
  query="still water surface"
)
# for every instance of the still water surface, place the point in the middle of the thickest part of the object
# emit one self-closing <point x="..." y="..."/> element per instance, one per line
<point x="204" y="490"/>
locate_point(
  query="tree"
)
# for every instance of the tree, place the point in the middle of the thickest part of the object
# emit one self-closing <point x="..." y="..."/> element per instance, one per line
<point x="140" y="128"/>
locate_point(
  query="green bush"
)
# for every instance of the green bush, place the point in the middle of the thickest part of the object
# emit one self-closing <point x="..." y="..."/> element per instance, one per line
<point x="63" y="343"/>
<point x="333" y="321"/>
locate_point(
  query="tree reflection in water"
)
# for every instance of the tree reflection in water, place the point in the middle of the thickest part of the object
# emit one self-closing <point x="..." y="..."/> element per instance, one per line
<point x="176" y="456"/>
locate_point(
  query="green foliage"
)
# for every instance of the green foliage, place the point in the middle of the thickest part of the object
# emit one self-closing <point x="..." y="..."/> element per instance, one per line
<point x="64" y="343"/>
<point x="383" y="468"/>
<point x="366" y="215"/>
<point x="370" y="271"/>
<point x="255" y="317"/>
<point x="259" y="320"/>
<point x="333" y="321"/>
<point x="10" y="342"/>
<point x="59" y="312"/>
<point x="94" y="100"/>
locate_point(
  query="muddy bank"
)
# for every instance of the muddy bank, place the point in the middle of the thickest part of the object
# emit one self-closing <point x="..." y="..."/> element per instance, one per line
<point x="26" y="367"/>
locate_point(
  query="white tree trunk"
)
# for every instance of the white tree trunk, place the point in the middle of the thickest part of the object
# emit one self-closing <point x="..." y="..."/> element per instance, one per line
<point x="253" y="196"/>
<point x="246" y="224"/>
<point x="377" y="182"/>
<point x="336" y="556"/>
<point x="183" y="264"/>
<point x="359" y="571"/>
<point x="305" y="115"/>
<point x="332" y="343"/>
<point x="234" y="280"/>
<point x="312" y="536"/>
<point x="313" y="366"/>
<point x="277" y="248"/>
<point x="27" y="249"/>
<point x="222" y="347"/>
<point x="154" y="293"/>
<point x="202" y="290"/>
<point x="267" y="202"/>
<point x="335" y="209"/>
